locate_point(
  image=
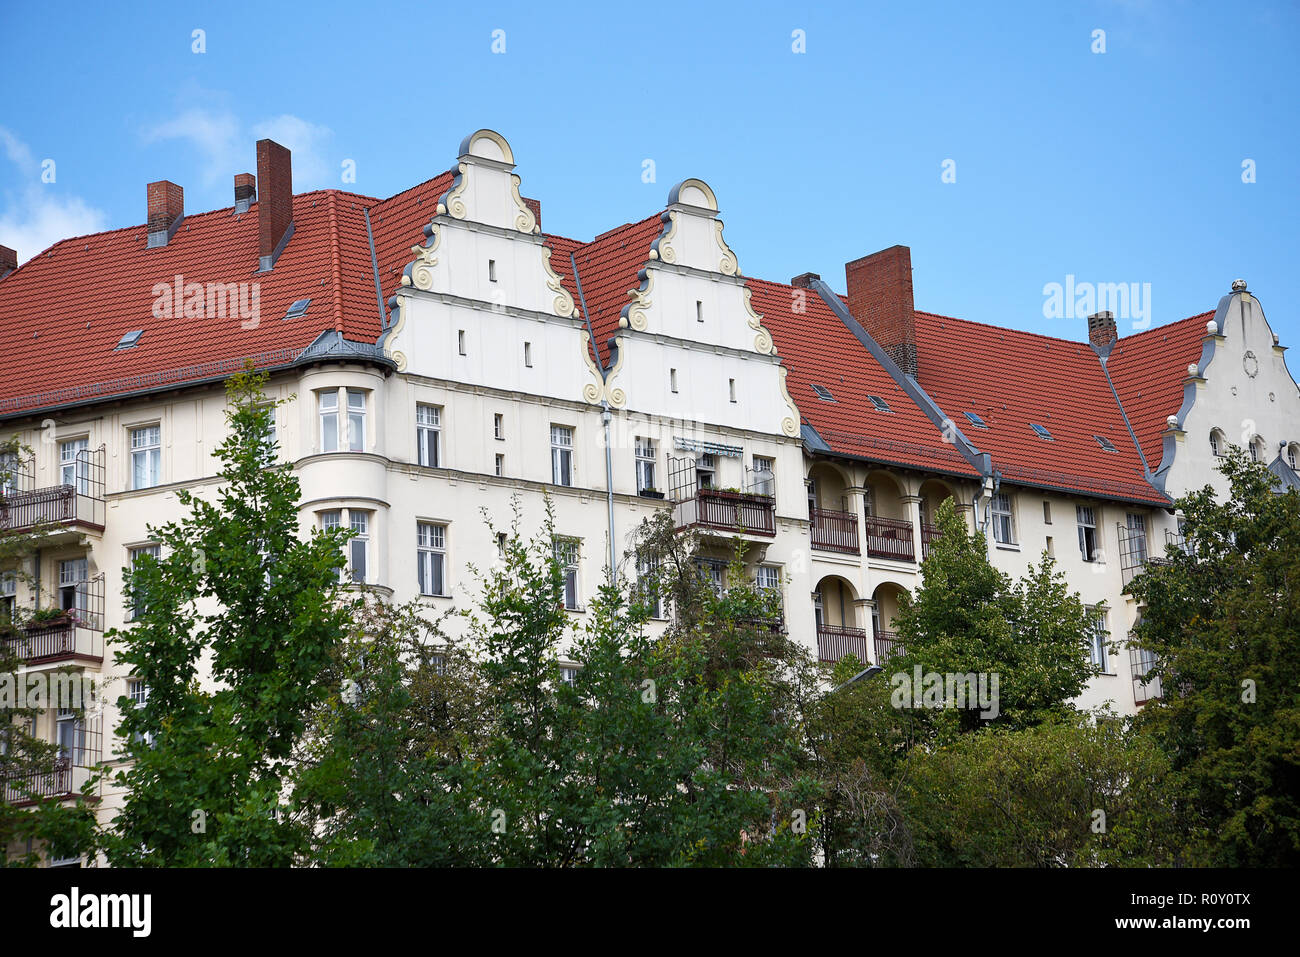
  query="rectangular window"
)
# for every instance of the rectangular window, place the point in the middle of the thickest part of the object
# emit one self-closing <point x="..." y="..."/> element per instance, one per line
<point x="764" y="475"/>
<point x="647" y="578"/>
<point x="71" y="737"/>
<point x="8" y="596"/>
<point x="1137" y="537"/>
<point x="498" y="426"/>
<point x="645" y="465"/>
<point x="569" y="674"/>
<point x="1004" y="530"/>
<point x="138" y="692"/>
<point x="146" y="456"/>
<point x="528" y="354"/>
<point x="272" y="442"/>
<point x="428" y="434"/>
<point x="137" y="596"/>
<point x="359" y="545"/>
<point x="731" y="388"/>
<point x="567" y="553"/>
<point x="356" y="420"/>
<point x="331" y="521"/>
<point x="492" y="270"/>
<point x="329" y="421"/>
<point x="74" y="467"/>
<point x="699" y="310"/>
<point x="1087" y="533"/>
<point x="672" y="380"/>
<point x="72" y="573"/>
<point x="500" y="465"/>
<point x="706" y="470"/>
<point x="460" y="341"/>
<point x="561" y="455"/>
<point x="1100" y="635"/>
<point x="8" y="473"/>
<point x="1047" y="513"/>
<point x="1051" y="548"/>
<point x="715" y="574"/>
<point x="431" y="558"/>
<point x="768" y="579"/>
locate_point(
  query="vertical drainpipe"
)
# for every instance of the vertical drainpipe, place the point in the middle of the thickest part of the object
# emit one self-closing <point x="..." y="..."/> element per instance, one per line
<point x="605" y="418"/>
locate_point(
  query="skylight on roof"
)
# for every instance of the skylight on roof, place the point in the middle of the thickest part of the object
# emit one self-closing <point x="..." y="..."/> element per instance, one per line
<point x="880" y="404"/>
<point x="1041" y="430"/>
<point x="976" y="421"/>
<point x="823" y="393"/>
<point x="1105" y="443"/>
<point x="298" y="308"/>
<point x="129" y="340"/>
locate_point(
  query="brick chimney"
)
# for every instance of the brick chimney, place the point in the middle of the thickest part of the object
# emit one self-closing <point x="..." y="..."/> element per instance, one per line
<point x="1101" y="329"/>
<point x="245" y="191"/>
<point x="8" y="261"/>
<point x="880" y="297"/>
<point x="536" y="206"/>
<point x="275" y="206"/>
<point x="804" y="280"/>
<point x="166" y="210"/>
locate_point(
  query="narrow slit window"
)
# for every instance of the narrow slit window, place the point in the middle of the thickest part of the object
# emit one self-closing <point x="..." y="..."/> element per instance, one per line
<point x="699" y="310"/>
<point x="528" y="354"/>
<point x="460" y="341"/>
<point x="731" y="387"/>
<point x="492" y="270"/>
<point x="672" y="380"/>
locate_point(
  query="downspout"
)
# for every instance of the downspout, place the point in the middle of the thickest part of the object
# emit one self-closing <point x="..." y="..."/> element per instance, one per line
<point x="605" y="417"/>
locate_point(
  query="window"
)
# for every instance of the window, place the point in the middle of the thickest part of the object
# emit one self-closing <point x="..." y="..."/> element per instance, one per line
<point x="731" y="389"/>
<point x="1041" y="430"/>
<point x="356" y="420"/>
<point x="1047" y="513"/>
<point x="1216" y="442"/>
<point x="823" y="393"/>
<point x="699" y="310"/>
<point x="569" y="674"/>
<point x="329" y="522"/>
<point x="647" y="579"/>
<point x="1098" y="638"/>
<point x="500" y="465"/>
<point x="428" y="434"/>
<point x="1087" y="533"/>
<point x="768" y="579"/>
<point x="8" y="473"/>
<point x="1257" y="449"/>
<point x="129" y="339"/>
<point x="1137" y="537"/>
<point x="1105" y="443"/>
<point x="715" y="574"/>
<point x="460" y="341"/>
<point x="431" y="558"/>
<point x="1004" y="530"/>
<point x="71" y="737"/>
<point x="359" y="545"/>
<point x="1292" y="453"/>
<point x="74" y="467"/>
<point x="297" y="308"/>
<point x="672" y="380"/>
<point x="645" y="465"/>
<point x="880" y="404"/>
<point x="72" y="574"/>
<point x="706" y="468"/>
<point x="528" y="354"/>
<point x="272" y="448"/>
<point x="137" y="597"/>
<point x="1050" y="548"/>
<point x="499" y="426"/>
<point x="567" y="553"/>
<point x="138" y="692"/>
<point x="8" y="596"/>
<point x="976" y="420"/>
<point x="146" y="456"/>
<point x="492" y="270"/>
<point x="329" y="421"/>
<point x="764" y="475"/>
<point x="561" y="455"/>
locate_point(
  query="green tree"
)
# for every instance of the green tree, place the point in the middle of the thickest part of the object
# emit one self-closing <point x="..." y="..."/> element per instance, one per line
<point x="1222" y="619"/>
<point x="237" y="590"/>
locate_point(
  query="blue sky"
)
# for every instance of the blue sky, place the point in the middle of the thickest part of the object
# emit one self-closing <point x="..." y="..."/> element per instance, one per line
<point x="1115" y="167"/>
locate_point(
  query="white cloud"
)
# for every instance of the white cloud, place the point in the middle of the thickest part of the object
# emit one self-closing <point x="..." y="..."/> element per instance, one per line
<point x="38" y="215"/>
<point x="224" y="146"/>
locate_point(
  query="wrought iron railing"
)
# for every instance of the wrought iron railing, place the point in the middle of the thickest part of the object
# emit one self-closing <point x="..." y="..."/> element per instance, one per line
<point x="1133" y="555"/>
<point x="834" y="530"/>
<point x="890" y="538"/>
<point x="887" y="646"/>
<point x="1146" y="686"/>
<point x="728" y="511"/>
<point x="929" y="533"/>
<point x="836" y="641"/>
<point x="24" y="507"/>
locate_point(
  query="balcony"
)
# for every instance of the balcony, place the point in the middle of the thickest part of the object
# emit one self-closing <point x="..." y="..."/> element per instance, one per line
<point x="890" y="538"/>
<point x="1133" y="555"/>
<point x="835" y="531"/>
<point x="887" y="646"/>
<point x="1140" y="663"/>
<point x="836" y="641"/>
<point x="69" y="773"/>
<point x="73" y="508"/>
<point x="929" y="533"/>
<point x="726" y="511"/>
<point x="76" y="635"/>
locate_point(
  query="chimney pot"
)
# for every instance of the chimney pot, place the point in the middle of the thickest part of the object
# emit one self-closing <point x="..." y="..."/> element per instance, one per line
<point x="804" y="280"/>
<point x="245" y="191"/>
<point x="166" y="209"/>
<point x="880" y="298"/>
<point x="8" y="261"/>
<point x="1102" y="331"/>
<point x="275" y="205"/>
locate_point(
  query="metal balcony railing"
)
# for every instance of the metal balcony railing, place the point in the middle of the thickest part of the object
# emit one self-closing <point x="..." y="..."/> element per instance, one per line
<point x="728" y="512"/>
<point x="836" y="641"/>
<point x="887" y="646"/>
<point x="64" y="778"/>
<point x="835" y="531"/>
<point x="25" y="507"/>
<point x="75" y="635"/>
<point x="929" y="533"/>
<point x="1145" y="689"/>
<point x="1133" y="555"/>
<point x="890" y="538"/>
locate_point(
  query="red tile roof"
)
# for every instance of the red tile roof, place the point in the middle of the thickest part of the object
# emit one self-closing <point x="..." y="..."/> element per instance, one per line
<point x="1015" y="379"/>
<point x="1148" y="371"/>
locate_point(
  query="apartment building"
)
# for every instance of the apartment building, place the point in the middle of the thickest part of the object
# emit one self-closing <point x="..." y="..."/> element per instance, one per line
<point x="441" y="355"/>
